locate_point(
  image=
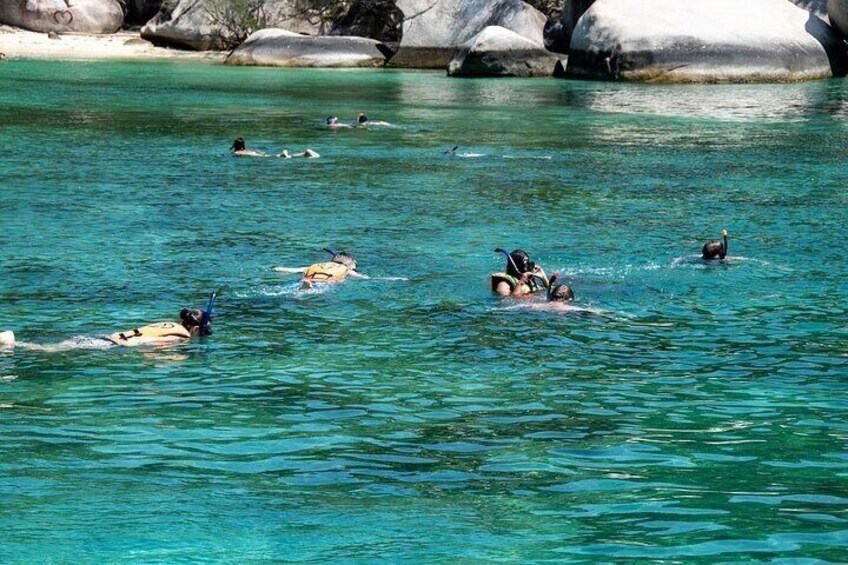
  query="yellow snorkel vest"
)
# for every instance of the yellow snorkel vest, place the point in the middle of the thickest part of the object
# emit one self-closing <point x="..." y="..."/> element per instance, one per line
<point x="150" y="334"/>
<point x="328" y="271"/>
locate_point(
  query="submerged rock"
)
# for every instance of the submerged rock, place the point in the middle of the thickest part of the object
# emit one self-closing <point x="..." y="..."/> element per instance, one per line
<point x="499" y="52"/>
<point x="434" y="29"/>
<point x="60" y="16"/>
<point x="695" y="41"/>
<point x="196" y="24"/>
<point x="281" y="48"/>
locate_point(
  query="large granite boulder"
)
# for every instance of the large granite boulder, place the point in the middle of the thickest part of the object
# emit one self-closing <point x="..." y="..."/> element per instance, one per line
<point x="434" y="29"/>
<point x="196" y="24"/>
<point x="139" y="12"/>
<point x="837" y="11"/>
<point x="499" y="52"/>
<point x="558" y="31"/>
<point x="282" y="48"/>
<point x="81" y="16"/>
<point x="697" y="41"/>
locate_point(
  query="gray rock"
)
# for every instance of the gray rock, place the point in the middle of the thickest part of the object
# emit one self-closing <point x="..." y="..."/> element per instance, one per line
<point x="139" y="12"/>
<point x="558" y="32"/>
<point x="190" y="24"/>
<point x="60" y="16"/>
<point x="694" y="41"/>
<point x="377" y="19"/>
<point x="434" y="29"/>
<point x="282" y="48"/>
<point x="837" y="11"/>
<point x="816" y="7"/>
<point x="499" y="52"/>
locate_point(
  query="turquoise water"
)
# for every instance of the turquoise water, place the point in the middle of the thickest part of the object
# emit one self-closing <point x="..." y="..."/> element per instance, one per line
<point x="697" y="415"/>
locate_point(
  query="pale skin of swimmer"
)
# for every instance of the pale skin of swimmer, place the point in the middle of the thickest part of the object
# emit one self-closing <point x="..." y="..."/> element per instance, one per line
<point x="327" y="272"/>
<point x="522" y="289"/>
<point x="156" y="334"/>
<point x="239" y="149"/>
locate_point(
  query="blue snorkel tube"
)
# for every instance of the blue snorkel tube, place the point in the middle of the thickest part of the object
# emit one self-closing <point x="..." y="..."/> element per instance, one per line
<point x="206" y="321"/>
<point x="330" y="251"/>
<point x="508" y="258"/>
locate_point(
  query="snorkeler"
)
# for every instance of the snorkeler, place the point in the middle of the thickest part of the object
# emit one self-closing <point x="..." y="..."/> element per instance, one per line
<point x="239" y="149"/>
<point x="559" y="292"/>
<point x="193" y="323"/>
<point x="334" y="123"/>
<point x="452" y="153"/>
<point x="363" y="121"/>
<point x="337" y="269"/>
<point x="521" y="276"/>
<point x="714" y="249"/>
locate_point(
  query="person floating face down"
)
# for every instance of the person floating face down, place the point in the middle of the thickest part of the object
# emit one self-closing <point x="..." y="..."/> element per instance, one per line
<point x="337" y="269"/>
<point x="239" y="149"/>
<point x="334" y="123"/>
<point x="713" y="249"/>
<point x="193" y="323"/>
<point x="363" y="121"/>
<point x="521" y="277"/>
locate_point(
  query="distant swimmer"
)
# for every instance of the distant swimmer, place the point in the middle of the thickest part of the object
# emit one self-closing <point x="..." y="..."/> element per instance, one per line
<point x="363" y="121"/>
<point x="452" y="153"/>
<point x="334" y="123"/>
<point x="337" y="269"/>
<point x="2" y="57"/>
<point x="239" y="149"/>
<point x="308" y="154"/>
<point x="715" y="249"/>
<point x="193" y="323"/>
<point x="521" y="277"/>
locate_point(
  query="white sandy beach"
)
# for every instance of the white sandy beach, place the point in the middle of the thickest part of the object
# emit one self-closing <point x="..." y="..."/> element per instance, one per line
<point x="21" y="44"/>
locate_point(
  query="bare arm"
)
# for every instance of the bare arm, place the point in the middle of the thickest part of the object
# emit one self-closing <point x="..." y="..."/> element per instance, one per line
<point x="357" y="275"/>
<point x="291" y="270"/>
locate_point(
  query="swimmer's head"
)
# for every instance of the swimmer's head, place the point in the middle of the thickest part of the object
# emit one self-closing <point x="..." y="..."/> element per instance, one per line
<point x="343" y="258"/>
<point x="362" y="118"/>
<point x="519" y="263"/>
<point x="561" y="293"/>
<point x="238" y="144"/>
<point x="191" y="320"/>
<point x="332" y="120"/>
<point x="715" y="249"/>
<point x="2" y="56"/>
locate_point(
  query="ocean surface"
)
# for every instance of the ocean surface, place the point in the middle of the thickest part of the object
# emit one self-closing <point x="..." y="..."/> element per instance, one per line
<point x="687" y="413"/>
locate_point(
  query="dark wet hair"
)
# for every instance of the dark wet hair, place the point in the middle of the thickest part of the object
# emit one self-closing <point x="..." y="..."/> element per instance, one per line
<point x="238" y="145"/>
<point x="561" y="293"/>
<point x="715" y="249"/>
<point x="362" y="118"/>
<point x="343" y="258"/>
<point x="191" y="318"/>
<point x="331" y="119"/>
<point x="521" y="261"/>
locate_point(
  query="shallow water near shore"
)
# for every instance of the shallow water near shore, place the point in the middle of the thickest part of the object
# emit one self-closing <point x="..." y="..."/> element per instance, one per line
<point x="696" y="414"/>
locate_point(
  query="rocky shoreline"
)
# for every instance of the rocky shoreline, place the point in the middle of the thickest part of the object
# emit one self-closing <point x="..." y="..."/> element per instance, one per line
<point x="669" y="41"/>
